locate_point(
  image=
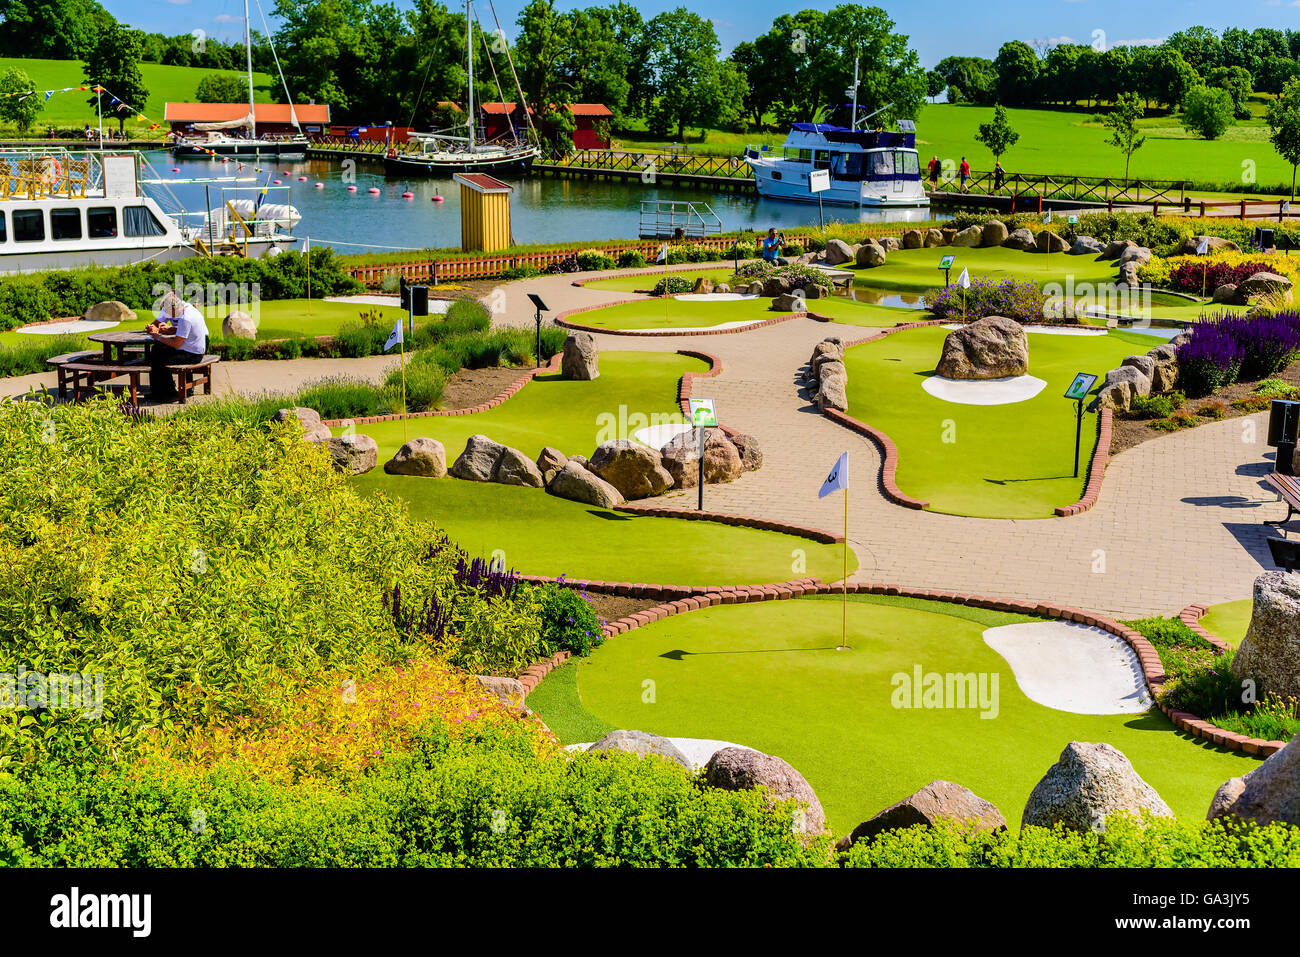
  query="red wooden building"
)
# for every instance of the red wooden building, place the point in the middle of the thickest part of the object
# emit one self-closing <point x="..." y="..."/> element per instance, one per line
<point x="590" y="123"/>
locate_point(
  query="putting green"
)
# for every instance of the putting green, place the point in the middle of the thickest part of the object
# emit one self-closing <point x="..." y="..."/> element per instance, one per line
<point x="767" y="675"/>
<point x="1229" y="620"/>
<point x="916" y="270"/>
<point x="646" y="280"/>
<point x="544" y="535"/>
<point x="859" y="313"/>
<point x="669" y="313"/>
<point x="634" y="389"/>
<point x="991" y="461"/>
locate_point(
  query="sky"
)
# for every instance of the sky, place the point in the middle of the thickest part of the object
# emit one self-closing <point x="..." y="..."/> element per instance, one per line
<point x="937" y="28"/>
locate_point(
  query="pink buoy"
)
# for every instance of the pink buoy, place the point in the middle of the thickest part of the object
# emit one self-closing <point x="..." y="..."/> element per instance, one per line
<point x="302" y="179"/>
<point x="284" y="172"/>
<point x="176" y="169"/>
<point x="408" y="196"/>
<point x="320" y="185"/>
<point x="437" y="199"/>
<point x="352" y="189"/>
<point x="276" y="182"/>
<point x="373" y="191"/>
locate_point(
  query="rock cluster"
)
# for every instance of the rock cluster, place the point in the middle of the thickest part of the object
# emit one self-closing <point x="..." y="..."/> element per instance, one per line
<point x="1154" y="373"/>
<point x="827" y="376"/>
<point x="991" y="348"/>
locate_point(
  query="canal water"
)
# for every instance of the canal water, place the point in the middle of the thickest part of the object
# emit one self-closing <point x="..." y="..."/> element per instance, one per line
<point x="544" y="209"/>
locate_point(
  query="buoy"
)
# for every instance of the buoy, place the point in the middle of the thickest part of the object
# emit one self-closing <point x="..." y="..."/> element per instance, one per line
<point x="176" y="169"/>
<point x="320" y="185"/>
<point x="284" y="172"/>
<point x="276" y="182"/>
<point x="408" y="196"/>
<point x="352" y="189"/>
<point x="302" y="179"/>
<point x="373" y="191"/>
<point x="437" y="199"/>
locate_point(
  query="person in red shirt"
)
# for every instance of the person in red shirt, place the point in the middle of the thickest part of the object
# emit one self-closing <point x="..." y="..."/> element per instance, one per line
<point x="964" y="170"/>
<point x="935" y="167"/>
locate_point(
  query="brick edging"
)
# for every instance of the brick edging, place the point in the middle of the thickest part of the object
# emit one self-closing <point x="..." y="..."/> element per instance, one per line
<point x="1096" y="471"/>
<point x="563" y="320"/>
<point x="818" y="535"/>
<point x="644" y="271"/>
<point x="1191" y="617"/>
<point x="552" y="365"/>
<point x="1153" y="671"/>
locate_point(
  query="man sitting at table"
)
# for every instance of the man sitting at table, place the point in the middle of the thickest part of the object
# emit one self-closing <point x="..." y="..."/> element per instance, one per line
<point x="180" y="336"/>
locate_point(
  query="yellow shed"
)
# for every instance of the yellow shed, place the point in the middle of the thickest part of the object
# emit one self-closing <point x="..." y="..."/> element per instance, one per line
<point x="484" y="212"/>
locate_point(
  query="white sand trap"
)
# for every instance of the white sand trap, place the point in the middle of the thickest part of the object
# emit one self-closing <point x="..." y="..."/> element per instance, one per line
<point x="436" y="306"/>
<point x="64" y="328"/>
<point x="1002" y="391"/>
<point x="722" y="325"/>
<point x="712" y="297"/>
<point x="1072" y="667"/>
<point x="697" y="750"/>
<point x="657" y="436"/>
<point x="1046" y="330"/>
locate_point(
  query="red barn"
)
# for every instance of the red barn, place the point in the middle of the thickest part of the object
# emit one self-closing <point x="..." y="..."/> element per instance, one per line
<point x="590" y="125"/>
<point x="271" y="118"/>
<point x="499" y="119"/>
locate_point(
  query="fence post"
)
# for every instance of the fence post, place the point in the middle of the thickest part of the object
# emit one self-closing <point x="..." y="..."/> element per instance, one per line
<point x="1243" y="211"/>
<point x="1202" y="209"/>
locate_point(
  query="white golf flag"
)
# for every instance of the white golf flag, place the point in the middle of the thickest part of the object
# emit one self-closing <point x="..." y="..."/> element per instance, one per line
<point x="839" y="477"/>
<point x="1204" y="247"/>
<point x="663" y="255"/>
<point x="964" y="279"/>
<point x="1047" y="217"/>
<point x="395" y="336"/>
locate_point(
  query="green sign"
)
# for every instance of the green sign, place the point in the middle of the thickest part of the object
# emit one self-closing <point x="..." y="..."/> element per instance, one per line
<point x="1074" y="219"/>
<point x="1081" y="386"/>
<point x="703" y="415"/>
<point x="947" y="261"/>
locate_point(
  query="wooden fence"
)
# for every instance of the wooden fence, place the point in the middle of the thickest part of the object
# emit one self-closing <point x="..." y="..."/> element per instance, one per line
<point x="1032" y="187"/>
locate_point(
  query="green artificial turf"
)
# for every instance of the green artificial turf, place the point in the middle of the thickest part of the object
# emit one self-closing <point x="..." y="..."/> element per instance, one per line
<point x="859" y="313"/>
<point x="1229" y="620"/>
<point x="767" y="676"/>
<point x="996" y="461"/>
<point x="917" y="270"/>
<point x="669" y="313"/>
<point x="645" y="281"/>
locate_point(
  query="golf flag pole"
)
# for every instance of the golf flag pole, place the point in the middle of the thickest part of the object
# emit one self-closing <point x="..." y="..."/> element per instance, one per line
<point x="964" y="282"/>
<point x="663" y="254"/>
<point x="306" y="251"/>
<point x="395" y="338"/>
<point x="1201" y="250"/>
<point x="839" y="480"/>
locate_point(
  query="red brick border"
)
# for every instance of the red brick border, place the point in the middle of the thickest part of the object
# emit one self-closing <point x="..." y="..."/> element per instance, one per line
<point x="1191" y="617"/>
<point x="1153" y="671"/>
<point x="562" y="320"/>
<point x="1096" y="471"/>
<point x="644" y="271"/>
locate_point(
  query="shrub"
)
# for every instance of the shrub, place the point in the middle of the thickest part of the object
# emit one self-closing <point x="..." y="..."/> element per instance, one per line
<point x="1210" y="360"/>
<point x="355" y="340"/>
<point x="1269" y="342"/>
<point x="631" y="259"/>
<point x="1276" y="389"/>
<point x="755" y="269"/>
<point x="1182" y="419"/>
<point x="568" y="621"/>
<point x="29" y="356"/>
<point x="1273" y="719"/>
<point x="592" y="260"/>
<point x="1155" y="272"/>
<point x="792" y="249"/>
<point x="672" y="285"/>
<point x="341" y="397"/>
<point x="425" y="383"/>
<point x="1156" y="406"/>
<point x="1212" y="410"/>
<point x="1252" y="403"/>
<point x="801" y="276"/>
<point x="520" y="272"/>
<point x="1023" y="302"/>
<point x="1194" y="273"/>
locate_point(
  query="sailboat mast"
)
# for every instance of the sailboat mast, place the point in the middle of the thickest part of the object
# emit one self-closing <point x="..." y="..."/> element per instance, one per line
<point x="854" y="124"/>
<point x="469" y="44"/>
<point x="248" y="47"/>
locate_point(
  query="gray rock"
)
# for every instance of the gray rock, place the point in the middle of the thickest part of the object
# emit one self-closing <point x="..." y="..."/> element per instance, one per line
<point x="1181" y="339"/>
<point x="1164" y="374"/>
<point x="238" y="325"/>
<point x="1089" y="783"/>
<point x="722" y="462"/>
<point x="1270" y="652"/>
<point x="641" y="744"/>
<point x="1225" y="293"/>
<point x="775" y="286"/>
<point x="1144" y="364"/>
<point x="989" y="348"/>
<point x="1085" y="246"/>
<point x="1021" y="239"/>
<point x="1268" y="793"/>
<point x="740" y="769"/>
<point x="995" y="233"/>
<point x="314" y="430"/>
<point x="703" y="286"/>
<point x="751" y="457"/>
<point x="722" y="287"/>
<point x="932" y="238"/>
<point x="913" y="239"/>
<point x="551" y="458"/>
<point x="937" y="801"/>
<point x="515" y="468"/>
<point x="832" y="393"/>
<point x="478" y="463"/>
<point x="1049" y="242"/>
<point x="581" y="359"/>
<point x="1216" y="244"/>
<point x="575" y="482"/>
<point x="838" y="252"/>
<point x="509" y="691"/>
<point x="1115" y="248"/>
<point x="890" y="244"/>
<point x="1121" y="386"/>
<point x="1128" y="275"/>
<point x="790" y="302"/>
<point x="110" y="311"/>
<point x="632" y="468"/>
<point x="1135" y="254"/>
<point x="420" y="456"/>
<point x="814" y="291"/>
<point x="870" y="255"/>
<point x="355" y="454"/>
<point x="1263" y="284"/>
<point x="971" y="236"/>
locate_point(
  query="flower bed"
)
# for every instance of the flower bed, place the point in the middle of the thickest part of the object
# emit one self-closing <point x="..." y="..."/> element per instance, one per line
<point x="1022" y="301"/>
<point x="1226" y="349"/>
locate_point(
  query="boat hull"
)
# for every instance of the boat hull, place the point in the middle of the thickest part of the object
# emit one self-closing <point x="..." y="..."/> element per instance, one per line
<point x="415" y="166"/>
<point x="241" y="150"/>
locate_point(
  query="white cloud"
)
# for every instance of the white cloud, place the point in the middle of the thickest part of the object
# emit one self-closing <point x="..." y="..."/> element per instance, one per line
<point x="227" y="18"/>
<point x="1057" y="41"/>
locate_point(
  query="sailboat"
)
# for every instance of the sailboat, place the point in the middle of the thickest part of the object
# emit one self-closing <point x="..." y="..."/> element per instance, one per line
<point x="441" y="154"/>
<point x="220" y="138"/>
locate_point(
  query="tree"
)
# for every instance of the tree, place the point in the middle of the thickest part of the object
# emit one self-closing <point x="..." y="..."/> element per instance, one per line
<point x="1207" y="111"/>
<point x="53" y="29"/>
<point x="1284" y="126"/>
<point x="684" y="59"/>
<point x="1238" y="83"/>
<point x="998" y="135"/>
<point x="1122" y="123"/>
<point x="1017" y="66"/>
<point x="114" y="64"/>
<point x="974" y="79"/>
<point x="1199" y="46"/>
<point x="1170" y="77"/>
<point x="19" y="110"/>
<point x="934" y="83"/>
<point x="891" y="82"/>
<point x="222" y="88"/>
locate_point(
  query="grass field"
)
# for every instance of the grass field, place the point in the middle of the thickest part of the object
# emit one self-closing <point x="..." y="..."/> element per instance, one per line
<point x="768" y="676"/>
<point x="671" y="313"/>
<point x="1229" y="620"/>
<point x="164" y="83"/>
<point x="994" y="461"/>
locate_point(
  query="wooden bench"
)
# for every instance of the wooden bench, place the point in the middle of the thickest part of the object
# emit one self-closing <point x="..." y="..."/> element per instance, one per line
<point x="60" y="362"/>
<point x="85" y="376"/>
<point x="1288" y="490"/>
<point x="194" y="374"/>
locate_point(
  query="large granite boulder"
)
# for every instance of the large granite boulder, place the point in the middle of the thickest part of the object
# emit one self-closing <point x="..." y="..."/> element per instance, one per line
<point x="1135" y="254"/>
<point x="1121" y="386"/>
<point x="722" y="462"/>
<point x="1164" y="374"/>
<point x="971" y="236"/>
<point x="577" y="483"/>
<point x="703" y="286"/>
<point x="751" y="457"/>
<point x="509" y="691"/>
<point x="1085" y="246"/>
<point x="832" y="393"/>
<point x="551" y="458"/>
<point x="515" y="468"/>
<point x="838" y="252"/>
<point x="1263" y="284"/>
<point x="354" y="454"/>
<point x="870" y="255"/>
<point x="1115" y="248"/>
<point x="313" y="429"/>
<point x="827" y="349"/>
<point x="1021" y="239"/>
<point x="913" y="239"/>
<point x="741" y="769"/>
<point x="478" y="463"/>
<point x="934" y="802"/>
<point x="775" y="286"/>
<point x="1128" y="275"/>
<point x="642" y="745"/>
<point x="1270" y="653"/>
<point x="995" y="233"/>
<point x="1225" y="293"/>
<point x="1144" y="364"/>
<point x="989" y="348"/>
<point x="1216" y="244"/>
<point x="1270" y="792"/>
<point x="790" y="302"/>
<point x="890" y="244"/>
<point x="238" y="325"/>
<point x="1089" y="783"/>
<point x="632" y="468"/>
<point x="111" y="311"/>
<point x="581" y="359"/>
<point x="933" y="237"/>
<point x="422" y="456"/>
<point x="1049" y="242"/>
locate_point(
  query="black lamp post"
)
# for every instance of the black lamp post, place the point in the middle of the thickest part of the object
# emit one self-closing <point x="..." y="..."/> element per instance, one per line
<point x="537" y="317"/>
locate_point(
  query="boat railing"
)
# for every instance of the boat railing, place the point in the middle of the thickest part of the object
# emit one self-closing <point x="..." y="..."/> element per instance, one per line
<point x="671" y="218"/>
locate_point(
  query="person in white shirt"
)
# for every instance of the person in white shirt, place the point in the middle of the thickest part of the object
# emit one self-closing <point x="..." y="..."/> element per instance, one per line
<point x="180" y="337"/>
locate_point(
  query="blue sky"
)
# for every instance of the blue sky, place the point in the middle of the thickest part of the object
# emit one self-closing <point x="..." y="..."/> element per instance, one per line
<point x="937" y="28"/>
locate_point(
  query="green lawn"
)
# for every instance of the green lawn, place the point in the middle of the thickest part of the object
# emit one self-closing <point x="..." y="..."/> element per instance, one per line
<point x="917" y="270"/>
<point x="645" y="282"/>
<point x="859" y="313"/>
<point x="1229" y="620"/>
<point x="999" y="461"/>
<point x="164" y="83"/>
<point x="768" y="676"/>
<point x="669" y="313"/>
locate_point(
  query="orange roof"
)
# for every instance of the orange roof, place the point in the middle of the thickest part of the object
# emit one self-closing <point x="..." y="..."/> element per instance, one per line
<point x="589" y="109"/>
<point x="500" y="107"/>
<point x="262" y="112"/>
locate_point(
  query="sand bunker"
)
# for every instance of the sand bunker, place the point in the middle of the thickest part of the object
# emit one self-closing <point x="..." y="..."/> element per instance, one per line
<point x="657" y="436"/>
<point x="984" y="391"/>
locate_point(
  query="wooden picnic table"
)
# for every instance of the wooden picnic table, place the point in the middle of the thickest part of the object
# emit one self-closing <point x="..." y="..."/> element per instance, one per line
<point x="118" y="342"/>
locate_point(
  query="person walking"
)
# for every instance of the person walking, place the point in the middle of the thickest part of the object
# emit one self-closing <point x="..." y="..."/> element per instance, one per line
<point x="999" y="175"/>
<point x="935" y="167"/>
<point x="964" y="171"/>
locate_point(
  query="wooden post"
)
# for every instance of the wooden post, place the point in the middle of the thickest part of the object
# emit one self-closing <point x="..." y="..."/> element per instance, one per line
<point x="1243" y="210"/>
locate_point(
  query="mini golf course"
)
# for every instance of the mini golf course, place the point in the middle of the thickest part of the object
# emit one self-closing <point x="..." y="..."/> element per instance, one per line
<point x="667" y="313"/>
<point x="916" y="270"/>
<point x="994" y="461"/>
<point x="767" y="675"/>
<point x="645" y="281"/>
<point x="1228" y="620"/>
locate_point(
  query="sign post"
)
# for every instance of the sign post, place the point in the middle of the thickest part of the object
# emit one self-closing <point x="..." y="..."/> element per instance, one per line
<point x="946" y="265"/>
<point x="703" y="416"/>
<point x="819" y="180"/>
<point x="1078" y="391"/>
